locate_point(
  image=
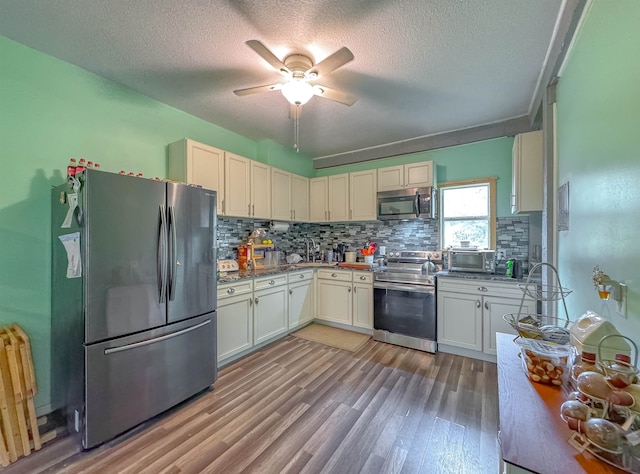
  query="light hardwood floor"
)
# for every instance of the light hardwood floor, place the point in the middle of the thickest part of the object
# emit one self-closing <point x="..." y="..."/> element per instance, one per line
<point x="299" y="406"/>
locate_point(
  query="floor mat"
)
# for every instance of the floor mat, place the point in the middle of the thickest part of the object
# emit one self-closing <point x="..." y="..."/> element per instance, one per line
<point x="334" y="337"/>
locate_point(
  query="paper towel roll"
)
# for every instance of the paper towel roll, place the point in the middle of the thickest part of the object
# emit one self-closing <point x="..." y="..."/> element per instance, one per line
<point x="279" y="226"/>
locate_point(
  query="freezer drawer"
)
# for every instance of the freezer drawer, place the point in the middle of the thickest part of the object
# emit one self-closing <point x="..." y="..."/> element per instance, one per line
<point x="132" y="379"/>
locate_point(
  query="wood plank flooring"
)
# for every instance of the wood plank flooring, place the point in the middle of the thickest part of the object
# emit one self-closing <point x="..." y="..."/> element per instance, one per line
<point x="299" y="406"/>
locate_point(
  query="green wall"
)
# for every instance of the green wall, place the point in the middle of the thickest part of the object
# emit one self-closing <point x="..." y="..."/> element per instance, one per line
<point x="598" y="141"/>
<point x="474" y="160"/>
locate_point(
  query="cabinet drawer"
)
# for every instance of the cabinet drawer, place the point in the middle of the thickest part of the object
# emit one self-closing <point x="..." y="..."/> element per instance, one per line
<point x="270" y="281"/>
<point x="234" y="289"/>
<point x="363" y="277"/>
<point x="295" y="277"/>
<point x="481" y="287"/>
<point x="340" y="275"/>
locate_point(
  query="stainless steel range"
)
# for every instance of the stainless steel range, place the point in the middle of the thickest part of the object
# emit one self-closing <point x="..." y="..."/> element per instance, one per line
<point x="404" y="310"/>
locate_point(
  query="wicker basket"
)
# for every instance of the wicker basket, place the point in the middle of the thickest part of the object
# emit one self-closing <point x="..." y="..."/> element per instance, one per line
<point x="538" y="326"/>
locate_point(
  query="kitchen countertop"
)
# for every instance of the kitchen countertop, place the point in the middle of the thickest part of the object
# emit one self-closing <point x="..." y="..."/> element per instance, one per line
<point x="232" y="277"/>
<point x="484" y="276"/>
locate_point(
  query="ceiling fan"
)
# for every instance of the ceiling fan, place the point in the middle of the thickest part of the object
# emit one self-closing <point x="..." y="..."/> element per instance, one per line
<point x="300" y="72"/>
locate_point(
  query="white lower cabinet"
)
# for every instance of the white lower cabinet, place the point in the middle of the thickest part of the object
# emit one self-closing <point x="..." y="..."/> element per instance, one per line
<point x="345" y="297"/>
<point x="235" y="319"/>
<point x="470" y="312"/>
<point x="301" y="302"/>
<point x="270" y="303"/>
<point x="363" y="300"/>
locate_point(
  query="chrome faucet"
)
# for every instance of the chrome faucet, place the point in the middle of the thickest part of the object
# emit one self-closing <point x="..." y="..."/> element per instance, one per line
<point x="311" y="253"/>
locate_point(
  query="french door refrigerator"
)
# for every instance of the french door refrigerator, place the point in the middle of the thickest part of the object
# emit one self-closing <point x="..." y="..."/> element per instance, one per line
<point x="133" y="300"/>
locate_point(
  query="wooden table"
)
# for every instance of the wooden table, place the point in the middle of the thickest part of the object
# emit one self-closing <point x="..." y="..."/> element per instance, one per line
<point x="532" y="434"/>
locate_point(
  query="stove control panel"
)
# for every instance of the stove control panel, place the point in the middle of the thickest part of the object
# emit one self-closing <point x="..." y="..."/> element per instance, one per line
<point x="434" y="255"/>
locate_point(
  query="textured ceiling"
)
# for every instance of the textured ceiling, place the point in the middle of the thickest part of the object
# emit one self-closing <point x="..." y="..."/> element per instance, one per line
<point x="421" y="67"/>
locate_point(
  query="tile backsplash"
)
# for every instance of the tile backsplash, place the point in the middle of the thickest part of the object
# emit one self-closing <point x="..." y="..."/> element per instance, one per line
<point x="512" y="235"/>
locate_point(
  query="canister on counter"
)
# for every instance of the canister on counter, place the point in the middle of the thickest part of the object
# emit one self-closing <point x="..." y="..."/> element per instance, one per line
<point x="243" y="257"/>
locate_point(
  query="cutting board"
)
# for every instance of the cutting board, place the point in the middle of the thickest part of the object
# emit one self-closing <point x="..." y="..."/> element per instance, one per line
<point x="356" y="265"/>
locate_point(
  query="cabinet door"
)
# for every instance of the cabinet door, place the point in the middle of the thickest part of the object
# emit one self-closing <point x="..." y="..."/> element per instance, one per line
<point x="270" y="313"/>
<point x="319" y="200"/>
<point x="339" y="197"/>
<point x="235" y="325"/>
<point x="237" y="185"/>
<point x="363" y="306"/>
<point x="300" y="198"/>
<point x="362" y="196"/>
<point x="527" y="174"/>
<point x="281" y="192"/>
<point x="334" y="301"/>
<point x="260" y="190"/>
<point x="390" y="178"/>
<point x="418" y="174"/>
<point x="495" y="308"/>
<point x="460" y="320"/>
<point x="196" y="163"/>
<point x="300" y="303"/>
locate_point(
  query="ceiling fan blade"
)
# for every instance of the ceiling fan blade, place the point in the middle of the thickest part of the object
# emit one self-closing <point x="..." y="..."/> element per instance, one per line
<point x="268" y="56"/>
<point x="333" y="62"/>
<point x="257" y="89"/>
<point x="335" y="95"/>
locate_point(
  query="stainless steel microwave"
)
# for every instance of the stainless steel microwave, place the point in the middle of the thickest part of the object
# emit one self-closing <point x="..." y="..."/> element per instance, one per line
<point x="412" y="203"/>
<point x="472" y="261"/>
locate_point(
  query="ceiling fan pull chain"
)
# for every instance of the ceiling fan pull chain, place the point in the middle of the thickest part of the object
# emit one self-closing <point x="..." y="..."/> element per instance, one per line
<point x="296" y="128"/>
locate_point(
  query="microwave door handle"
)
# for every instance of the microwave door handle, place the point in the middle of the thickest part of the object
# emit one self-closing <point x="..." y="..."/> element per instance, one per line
<point x="416" y="204"/>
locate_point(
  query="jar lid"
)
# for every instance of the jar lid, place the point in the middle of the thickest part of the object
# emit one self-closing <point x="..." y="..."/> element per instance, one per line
<point x="624" y="358"/>
<point x="588" y="357"/>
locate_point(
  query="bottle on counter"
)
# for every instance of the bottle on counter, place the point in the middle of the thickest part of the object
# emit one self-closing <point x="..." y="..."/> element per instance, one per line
<point x="587" y="363"/>
<point x="509" y="273"/>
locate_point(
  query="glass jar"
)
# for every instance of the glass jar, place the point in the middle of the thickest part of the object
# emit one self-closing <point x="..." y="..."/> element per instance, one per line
<point x="587" y="363"/>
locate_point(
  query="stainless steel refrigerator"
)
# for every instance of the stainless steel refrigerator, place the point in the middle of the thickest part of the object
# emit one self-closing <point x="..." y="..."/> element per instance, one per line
<point x="133" y="300"/>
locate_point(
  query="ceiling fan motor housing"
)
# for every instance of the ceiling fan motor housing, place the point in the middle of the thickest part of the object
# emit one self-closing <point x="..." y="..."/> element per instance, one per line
<point x="298" y="64"/>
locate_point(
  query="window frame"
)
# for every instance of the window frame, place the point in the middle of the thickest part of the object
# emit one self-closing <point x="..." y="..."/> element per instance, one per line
<point x="491" y="181"/>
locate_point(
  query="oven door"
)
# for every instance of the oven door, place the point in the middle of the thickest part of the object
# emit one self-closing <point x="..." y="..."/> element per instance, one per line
<point x="405" y="309"/>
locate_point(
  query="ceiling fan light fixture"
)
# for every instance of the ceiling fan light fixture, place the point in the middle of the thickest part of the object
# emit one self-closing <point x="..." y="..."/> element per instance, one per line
<point x="297" y="91"/>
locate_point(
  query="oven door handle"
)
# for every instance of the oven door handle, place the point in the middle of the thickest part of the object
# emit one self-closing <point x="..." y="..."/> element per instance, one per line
<point x="411" y="288"/>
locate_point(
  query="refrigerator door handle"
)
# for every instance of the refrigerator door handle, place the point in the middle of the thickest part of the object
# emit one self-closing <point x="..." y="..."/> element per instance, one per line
<point x="162" y="256"/>
<point x="173" y="254"/>
<point x="112" y="350"/>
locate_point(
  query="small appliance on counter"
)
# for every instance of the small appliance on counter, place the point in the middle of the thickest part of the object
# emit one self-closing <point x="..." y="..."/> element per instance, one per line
<point x="227" y="265"/>
<point x="468" y="259"/>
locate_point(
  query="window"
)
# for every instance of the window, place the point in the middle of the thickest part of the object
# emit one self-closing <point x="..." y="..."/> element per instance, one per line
<point x="468" y="213"/>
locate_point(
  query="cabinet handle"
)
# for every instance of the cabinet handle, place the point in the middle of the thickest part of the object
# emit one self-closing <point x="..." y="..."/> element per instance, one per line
<point x="482" y="288"/>
<point x="349" y="289"/>
<point x="486" y="305"/>
<point x="223" y="207"/>
<point x="325" y="216"/>
<point x="294" y="214"/>
<point x="253" y="209"/>
<point x="250" y="302"/>
<point x="290" y="292"/>
<point x="350" y="213"/>
<point x="334" y="275"/>
<point x="256" y="301"/>
<point x="231" y="291"/>
<point x="249" y="209"/>
<point x="355" y="288"/>
<point x="478" y="303"/>
<point x="363" y="277"/>
<point x="329" y="215"/>
<point x="301" y="277"/>
<point x="272" y="282"/>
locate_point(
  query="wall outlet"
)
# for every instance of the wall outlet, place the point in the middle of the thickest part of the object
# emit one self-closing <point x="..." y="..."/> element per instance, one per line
<point x="500" y="255"/>
<point x="621" y="306"/>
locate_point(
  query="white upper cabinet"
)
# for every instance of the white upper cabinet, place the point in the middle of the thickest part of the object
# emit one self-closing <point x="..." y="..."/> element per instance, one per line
<point x="362" y="196"/>
<point x="339" y="197"/>
<point x="196" y="163"/>
<point x="527" y="180"/>
<point x="281" y="195"/>
<point x="237" y="183"/>
<point x="319" y="199"/>
<point x="260" y="190"/>
<point x="413" y="175"/>
<point x="300" y="198"/>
